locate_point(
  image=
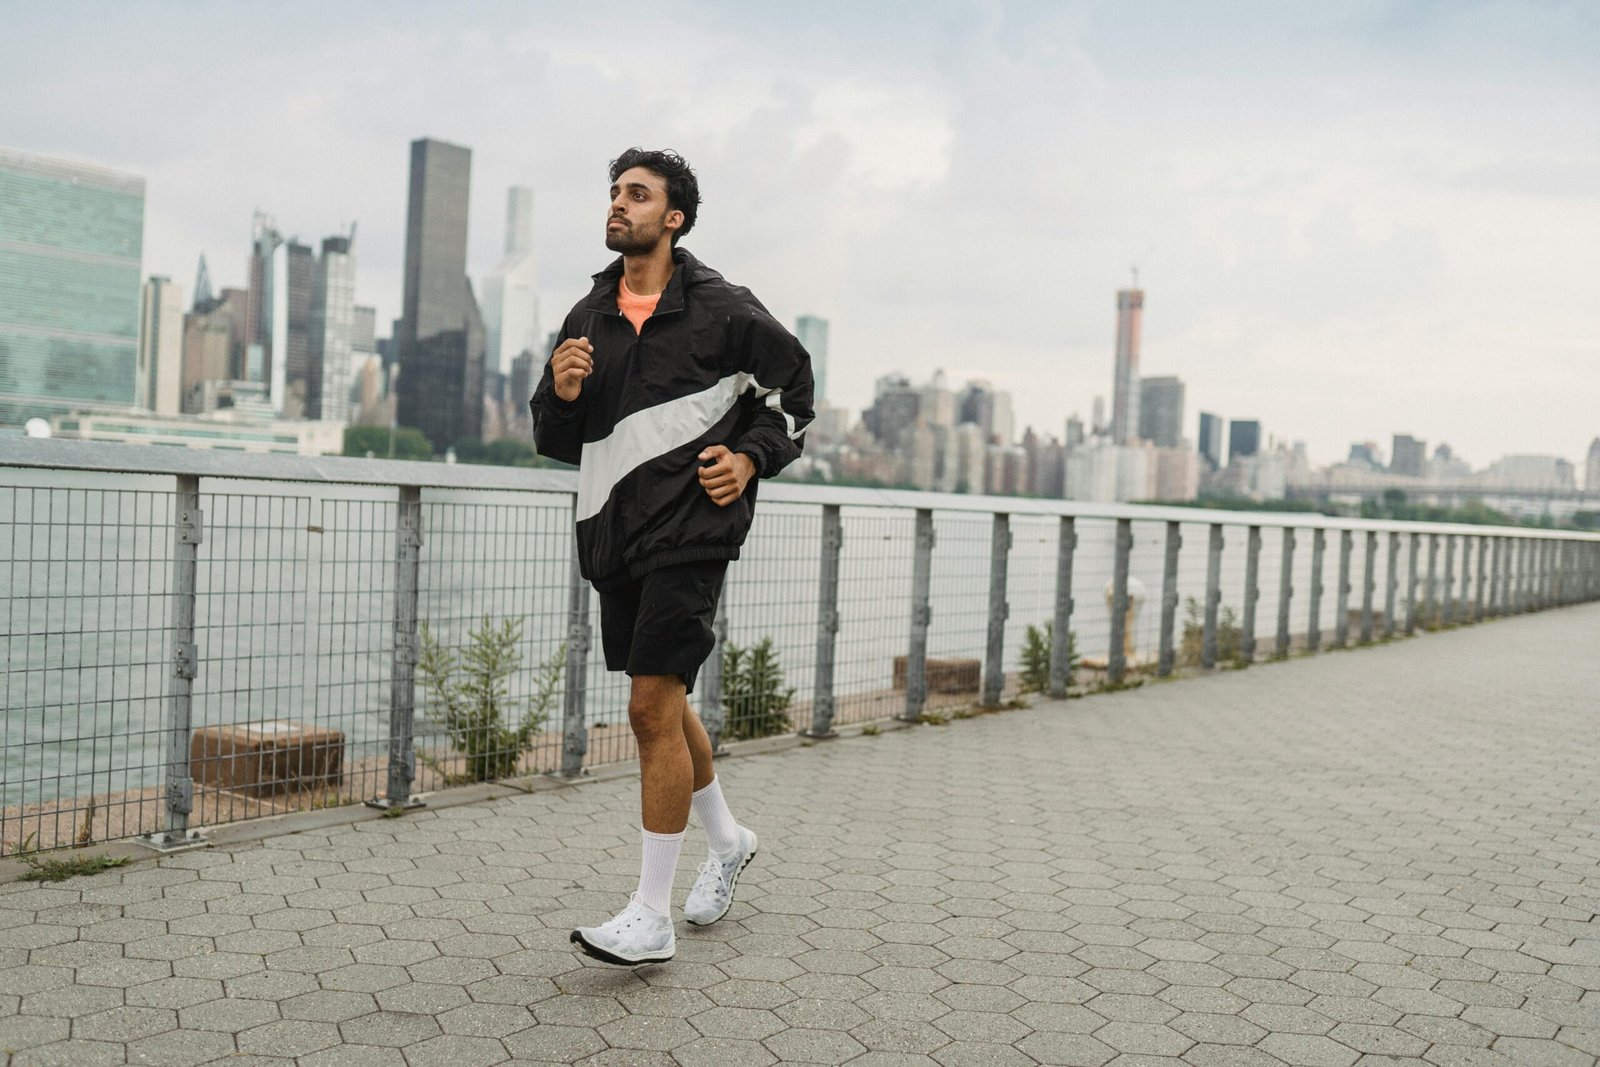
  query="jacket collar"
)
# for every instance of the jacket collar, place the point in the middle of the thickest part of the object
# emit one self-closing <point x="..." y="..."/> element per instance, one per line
<point x="688" y="271"/>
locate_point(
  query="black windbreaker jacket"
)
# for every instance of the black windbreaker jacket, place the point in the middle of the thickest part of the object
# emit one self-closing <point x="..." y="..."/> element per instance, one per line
<point x="710" y="366"/>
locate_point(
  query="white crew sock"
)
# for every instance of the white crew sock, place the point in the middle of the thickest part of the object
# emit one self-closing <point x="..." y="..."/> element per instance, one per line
<point x="722" y="833"/>
<point x="659" y="864"/>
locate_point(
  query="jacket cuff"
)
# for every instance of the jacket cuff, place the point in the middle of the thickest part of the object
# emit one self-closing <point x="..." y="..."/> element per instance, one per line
<point x="757" y="457"/>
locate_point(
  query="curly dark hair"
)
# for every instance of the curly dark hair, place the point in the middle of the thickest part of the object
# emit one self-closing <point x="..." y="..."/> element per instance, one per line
<point x="683" y="188"/>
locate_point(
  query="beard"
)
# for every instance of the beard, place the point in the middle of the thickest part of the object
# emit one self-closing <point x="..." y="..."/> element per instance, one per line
<point x="633" y="240"/>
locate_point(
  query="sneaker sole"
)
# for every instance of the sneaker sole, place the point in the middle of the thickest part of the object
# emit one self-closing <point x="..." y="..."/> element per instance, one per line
<point x="604" y="956"/>
<point x="732" y="885"/>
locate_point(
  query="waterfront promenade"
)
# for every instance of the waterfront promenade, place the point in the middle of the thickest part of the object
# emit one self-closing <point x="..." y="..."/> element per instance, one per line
<point x="1390" y="855"/>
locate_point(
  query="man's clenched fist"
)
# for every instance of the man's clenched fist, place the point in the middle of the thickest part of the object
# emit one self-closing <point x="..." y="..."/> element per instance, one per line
<point x="725" y="477"/>
<point x="572" y="362"/>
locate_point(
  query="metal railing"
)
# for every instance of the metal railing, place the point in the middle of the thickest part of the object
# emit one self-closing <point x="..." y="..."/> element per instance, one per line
<point x="195" y="637"/>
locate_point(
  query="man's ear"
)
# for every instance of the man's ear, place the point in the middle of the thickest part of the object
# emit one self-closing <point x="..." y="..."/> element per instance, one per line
<point x="674" y="220"/>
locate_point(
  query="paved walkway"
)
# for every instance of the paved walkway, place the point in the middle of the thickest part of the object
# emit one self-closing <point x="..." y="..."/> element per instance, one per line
<point x="1383" y="856"/>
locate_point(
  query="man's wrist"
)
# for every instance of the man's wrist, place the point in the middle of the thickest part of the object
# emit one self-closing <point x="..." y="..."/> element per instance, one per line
<point x="755" y="460"/>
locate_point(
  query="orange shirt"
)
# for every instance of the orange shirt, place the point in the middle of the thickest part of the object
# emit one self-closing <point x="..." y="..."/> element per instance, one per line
<point x="636" y="308"/>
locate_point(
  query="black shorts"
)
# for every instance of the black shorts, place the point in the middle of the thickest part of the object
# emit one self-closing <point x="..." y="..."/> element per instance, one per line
<point x="661" y="623"/>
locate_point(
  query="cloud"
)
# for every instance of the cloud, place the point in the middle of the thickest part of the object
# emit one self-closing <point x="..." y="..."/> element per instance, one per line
<point x="1349" y="220"/>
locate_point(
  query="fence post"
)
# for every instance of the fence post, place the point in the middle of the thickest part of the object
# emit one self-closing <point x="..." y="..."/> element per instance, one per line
<point x="1430" y="603"/>
<point x="1341" y="621"/>
<point x="1117" y="660"/>
<point x="1252" y="593"/>
<point x="403" y="683"/>
<point x="1530" y="575"/>
<point x="1368" y="587"/>
<point x="994" y="664"/>
<point x="1508" y="576"/>
<point x="1448" y="608"/>
<point x="921" y="615"/>
<point x="822" y="700"/>
<point x="1169" y="599"/>
<point x="1411" y="585"/>
<point x="188" y="532"/>
<point x="1495" y="571"/>
<point x="1285" y="593"/>
<point x="1319" y="546"/>
<point x="1208" y="639"/>
<point x="1508" y="571"/>
<point x="1061" y="629"/>
<point x="574" y="693"/>
<point x="1483" y="561"/>
<point x="1391" y="583"/>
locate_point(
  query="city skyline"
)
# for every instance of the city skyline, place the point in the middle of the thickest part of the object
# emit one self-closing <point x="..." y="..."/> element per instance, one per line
<point x="1302" y="231"/>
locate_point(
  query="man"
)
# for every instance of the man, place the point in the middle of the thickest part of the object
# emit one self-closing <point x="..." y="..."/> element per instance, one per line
<point x="674" y="392"/>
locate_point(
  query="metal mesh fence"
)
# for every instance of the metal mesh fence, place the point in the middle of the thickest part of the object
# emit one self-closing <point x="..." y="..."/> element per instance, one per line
<point x="492" y="619"/>
<point x="874" y="614"/>
<point x="299" y="593"/>
<point x="86" y="609"/>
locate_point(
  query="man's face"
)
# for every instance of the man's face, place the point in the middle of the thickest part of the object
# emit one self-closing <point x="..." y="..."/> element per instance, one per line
<point x="639" y="218"/>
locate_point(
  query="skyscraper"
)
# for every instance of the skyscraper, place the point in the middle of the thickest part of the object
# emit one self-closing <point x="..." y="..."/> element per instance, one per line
<point x="1591" y="479"/>
<point x="159" y="386"/>
<point x="1161" y="411"/>
<point x="70" y="277"/>
<point x="1125" y="386"/>
<point x="441" y="342"/>
<point x="1409" y="456"/>
<point x="1211" y="439"/>
<point x="988" y="407"/>
<point x="893" y="413"/>
<point x="332" y="331"/>
<point x="264" y="241"/>
<point x="202" y="284"/>
<point x="212" y="338"/>
<point x="510" y="297"/>
<point x="1244" y="438"/>
<point x="812" y="333"/>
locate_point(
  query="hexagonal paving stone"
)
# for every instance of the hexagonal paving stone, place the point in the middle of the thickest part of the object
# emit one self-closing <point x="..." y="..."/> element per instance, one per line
<point x="329" y="1006"/>
<point x="749" y="1023"/>
<point x="227" y="1015"/>
<point x="553" y="1043"/>
<point x="181" y="1048"/>
<point x="290" y="1037"/>
<point x="390" y="1029"/>
<point x="27" y="1031"/>
<point x="457" y="1050"/>
<point x="126" y="1024"/>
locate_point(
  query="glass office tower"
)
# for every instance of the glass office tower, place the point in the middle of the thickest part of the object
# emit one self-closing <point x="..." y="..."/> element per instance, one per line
<point x="441" y="335"/>
<point x="71" y="236"/>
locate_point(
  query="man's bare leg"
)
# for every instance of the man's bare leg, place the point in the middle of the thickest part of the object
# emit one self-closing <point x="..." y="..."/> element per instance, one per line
<point x="642" y="932"/>
<point x="667" y="766"/>
<point x="694" y="732"/>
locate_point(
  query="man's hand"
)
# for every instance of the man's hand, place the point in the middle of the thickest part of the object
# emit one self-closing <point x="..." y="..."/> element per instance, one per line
<point x="725" y="477"/>
<point x="572" y="363"/>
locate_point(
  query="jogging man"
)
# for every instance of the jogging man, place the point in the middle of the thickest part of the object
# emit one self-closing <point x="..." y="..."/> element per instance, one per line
<point x="674" y="392"/>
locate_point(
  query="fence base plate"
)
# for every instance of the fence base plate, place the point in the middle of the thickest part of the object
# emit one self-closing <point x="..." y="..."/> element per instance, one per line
<point x="167" y="841"/>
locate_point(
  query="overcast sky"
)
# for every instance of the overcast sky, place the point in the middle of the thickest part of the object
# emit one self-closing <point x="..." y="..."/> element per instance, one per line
<point x="1350" y="219"/>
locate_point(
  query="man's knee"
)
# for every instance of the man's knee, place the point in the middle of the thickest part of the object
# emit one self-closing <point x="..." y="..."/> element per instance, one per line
<point x="655" y="706"/>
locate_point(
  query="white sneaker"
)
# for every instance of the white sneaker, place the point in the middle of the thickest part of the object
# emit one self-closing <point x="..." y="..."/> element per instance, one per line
<point x="637" y="934"/>
<point x="712" y="894"/>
